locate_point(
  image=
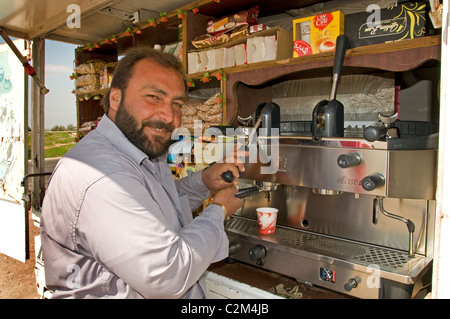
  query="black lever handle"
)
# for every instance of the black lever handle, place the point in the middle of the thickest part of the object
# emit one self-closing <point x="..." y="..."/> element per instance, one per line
<point x="341" y="48"/>
<point x="374" y="132"/>
<point x="228" y="176"/>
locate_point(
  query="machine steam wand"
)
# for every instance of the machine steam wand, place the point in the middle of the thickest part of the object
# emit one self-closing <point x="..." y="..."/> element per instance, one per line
<point x="408" y="222"/>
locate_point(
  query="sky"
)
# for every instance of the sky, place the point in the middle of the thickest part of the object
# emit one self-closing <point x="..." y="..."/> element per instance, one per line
<point x="60" y="103"/>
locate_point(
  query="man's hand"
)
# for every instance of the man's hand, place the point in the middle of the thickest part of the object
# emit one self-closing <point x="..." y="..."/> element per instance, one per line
<point x="226" y="197"/>
<point x="212" y="176"/>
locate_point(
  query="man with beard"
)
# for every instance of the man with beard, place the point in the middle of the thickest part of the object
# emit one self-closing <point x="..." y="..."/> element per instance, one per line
<point x="114" y="222"/>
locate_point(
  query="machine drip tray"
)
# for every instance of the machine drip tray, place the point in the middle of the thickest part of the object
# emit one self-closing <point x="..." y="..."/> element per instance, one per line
<point x="394" y="265"/>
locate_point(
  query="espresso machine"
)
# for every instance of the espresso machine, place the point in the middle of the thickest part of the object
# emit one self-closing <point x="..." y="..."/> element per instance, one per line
<point x="355" y="216"/>
<point x="356" y="204"/>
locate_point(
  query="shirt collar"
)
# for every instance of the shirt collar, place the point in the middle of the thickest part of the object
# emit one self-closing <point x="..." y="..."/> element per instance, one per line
<point x="114" y="135"/>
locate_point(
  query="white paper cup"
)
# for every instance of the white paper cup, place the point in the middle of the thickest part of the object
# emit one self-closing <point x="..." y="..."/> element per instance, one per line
<point x="267" y="219"/>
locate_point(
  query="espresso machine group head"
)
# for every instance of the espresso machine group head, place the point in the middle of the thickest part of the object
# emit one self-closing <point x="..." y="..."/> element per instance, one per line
<point x="328" y="116"/>
<point x="266" y="118"/>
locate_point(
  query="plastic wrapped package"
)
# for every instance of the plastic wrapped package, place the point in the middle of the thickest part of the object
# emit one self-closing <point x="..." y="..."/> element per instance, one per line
<point x="87" y="79"/>
<point x="199" y="108"/>
<point x="93" y="67"/>
<point x="93" y="76"/>
<point x="231" y="21"/>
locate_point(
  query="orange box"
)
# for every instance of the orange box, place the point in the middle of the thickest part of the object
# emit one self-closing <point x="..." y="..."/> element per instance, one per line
<point x="324" y="29"/>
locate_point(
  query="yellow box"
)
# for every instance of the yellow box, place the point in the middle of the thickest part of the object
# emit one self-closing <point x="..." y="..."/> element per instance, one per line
<point x="324" y="29"/>
<point x="302" y="37"/>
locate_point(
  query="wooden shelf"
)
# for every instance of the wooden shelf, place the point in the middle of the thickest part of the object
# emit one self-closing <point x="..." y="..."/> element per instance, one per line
<point x="393" y="57"/>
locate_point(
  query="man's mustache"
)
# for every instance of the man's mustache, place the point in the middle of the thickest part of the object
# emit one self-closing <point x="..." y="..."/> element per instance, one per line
<point x="158" y="125"/>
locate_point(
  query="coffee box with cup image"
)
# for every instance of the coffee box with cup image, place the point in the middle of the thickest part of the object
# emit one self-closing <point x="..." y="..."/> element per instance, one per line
<point x="323" y="32"/>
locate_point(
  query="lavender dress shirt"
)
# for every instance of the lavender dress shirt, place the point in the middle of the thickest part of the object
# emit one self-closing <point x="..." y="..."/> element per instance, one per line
<point x="115" y="224"/>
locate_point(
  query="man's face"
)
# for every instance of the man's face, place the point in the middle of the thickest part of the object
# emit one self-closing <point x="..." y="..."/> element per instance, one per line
<point x="150" y="109"/>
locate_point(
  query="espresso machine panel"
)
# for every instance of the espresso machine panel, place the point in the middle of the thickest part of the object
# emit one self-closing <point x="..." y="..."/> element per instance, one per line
<point x="356" y="217"/>
<point x="365" y="170"/>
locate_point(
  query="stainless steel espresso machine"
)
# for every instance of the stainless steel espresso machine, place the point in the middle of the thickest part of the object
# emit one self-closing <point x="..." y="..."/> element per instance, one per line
<point x="356" y="208"/>
<point x="354" y="216"/>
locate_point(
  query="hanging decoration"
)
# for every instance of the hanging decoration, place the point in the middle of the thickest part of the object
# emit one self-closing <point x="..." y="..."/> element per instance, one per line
<point x="181" y="14"/>
<point x="205" y="78"/>
<point x="190" y="83"/>
<point x="129" y="32"/>
<point x="219" y="75"/>
<point x="163" y="16"/>
<point x="219" y="99"/>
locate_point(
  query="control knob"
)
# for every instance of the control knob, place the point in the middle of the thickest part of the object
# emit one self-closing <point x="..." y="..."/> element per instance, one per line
<point x="348" y="160"/>
<point x="352" y="283"/>
<point x="369" y="183"/>
<point x="257" y="254"/>
<point x="234" y="247"/>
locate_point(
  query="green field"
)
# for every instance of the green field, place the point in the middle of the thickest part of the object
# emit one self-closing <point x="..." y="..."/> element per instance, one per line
<point x="57" y="143"/>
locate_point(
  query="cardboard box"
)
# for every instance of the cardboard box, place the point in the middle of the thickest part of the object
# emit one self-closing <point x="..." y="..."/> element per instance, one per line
<point x="405" y="21"/>
<point x="270" y="48"/>
<point x="240" y="54"/>
<point x="302" y="37"/>
<point x="203" y="57"/>
<point x="267" y="45"/>
<point x="229" y="57"/>
<point x="277" y="42"/>
<point x="211" y="60"/>
<point x="255" y="49"/>
<point x="317" y="33"/>
<point x="193" y="62"/>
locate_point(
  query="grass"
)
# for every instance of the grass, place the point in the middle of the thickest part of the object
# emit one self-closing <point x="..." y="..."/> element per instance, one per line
<point x="57" y="143"/>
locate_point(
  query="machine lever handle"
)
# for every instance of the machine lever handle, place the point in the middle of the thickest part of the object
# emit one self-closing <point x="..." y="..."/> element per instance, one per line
<point x="375" y="132"/>
<point x="228" y="176"/>
<point x="341" y="48"/>
<point x="246" y="192"/>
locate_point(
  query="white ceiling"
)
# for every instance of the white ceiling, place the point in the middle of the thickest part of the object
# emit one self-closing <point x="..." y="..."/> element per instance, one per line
<point x="30" y="19"/>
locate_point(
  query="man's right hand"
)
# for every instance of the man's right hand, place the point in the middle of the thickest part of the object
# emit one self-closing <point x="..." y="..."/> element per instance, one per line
<point x="227" y="197"/>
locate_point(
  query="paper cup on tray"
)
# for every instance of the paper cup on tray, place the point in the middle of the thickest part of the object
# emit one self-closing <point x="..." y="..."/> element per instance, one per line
<point x="267" y="219"/>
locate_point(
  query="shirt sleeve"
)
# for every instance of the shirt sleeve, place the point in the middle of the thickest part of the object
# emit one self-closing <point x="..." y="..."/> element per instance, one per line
<point x="126" y="231"/>
<point x="193" y="186"/>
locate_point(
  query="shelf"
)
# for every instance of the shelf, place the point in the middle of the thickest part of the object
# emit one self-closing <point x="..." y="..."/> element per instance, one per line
<point x="393" y="57"/>
<point x="423" y="49"/>
<point x="396" y="57"/>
